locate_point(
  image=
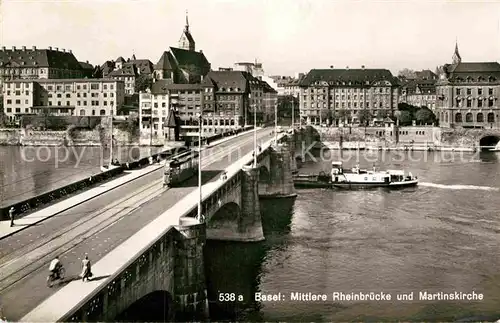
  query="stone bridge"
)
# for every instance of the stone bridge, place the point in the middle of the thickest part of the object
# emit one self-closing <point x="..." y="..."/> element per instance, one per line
<point x="165" y="258"/>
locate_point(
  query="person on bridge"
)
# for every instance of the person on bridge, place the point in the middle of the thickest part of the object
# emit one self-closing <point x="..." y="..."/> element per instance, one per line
<point x="54" y="267"/>
<point x="11" y="215"/>
<point x="86" y="270"/>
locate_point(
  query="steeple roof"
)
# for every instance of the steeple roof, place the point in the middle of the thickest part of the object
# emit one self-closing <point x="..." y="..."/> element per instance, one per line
<point x="456" y="55"/>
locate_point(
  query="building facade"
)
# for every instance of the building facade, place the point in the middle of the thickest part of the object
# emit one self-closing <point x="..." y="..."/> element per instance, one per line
<point x="127" y="71"/>
<point x="467" y="94"/>
<point x="32" y="63"/>
<point x="327" y="94"/>
<point x="70" y="97"/>
<point x="419" y="93"/>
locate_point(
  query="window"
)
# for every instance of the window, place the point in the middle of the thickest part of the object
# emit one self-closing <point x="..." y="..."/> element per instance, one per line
<point x="102" y="112"/>
<point x="479" y="91"/>
<point x="458" y="91"/>
<point x="93" y="112"/>
<point x="18" y="92"/>
<point x="469" y="91"/>
<point x="490" y="102"/>
<point x="491" y="117"/>
<point x="82" y="112"/>
<point x="469" y="103"/>
<point x="18" y="101"/>
<point x="480" y="117"/>
<point x="59" y="95"/>
<point x="27" y="92"/>
<point x="490" y="91"/>
<point x="68" y="88"/>
<point x="68" y="95"/>
<point x="59" y="88"/>
<point x="468" y="117"/>
<point x="458" y="117"/>
<point x="94" y="86"/>
<point x="25" y="101"/>
<point x="68" y="103"/>
<point x="9" y="101"/>
<point x="59" y="103"/>
<point x="479" y="103"/>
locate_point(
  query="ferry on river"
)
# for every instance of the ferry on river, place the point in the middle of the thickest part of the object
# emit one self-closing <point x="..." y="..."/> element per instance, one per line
<point x="356" y="178"/>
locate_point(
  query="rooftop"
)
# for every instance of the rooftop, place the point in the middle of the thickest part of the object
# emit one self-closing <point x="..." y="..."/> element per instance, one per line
<point x="60" y="80"/>
<point x="357" y="77"/>
<point x="24" y="57"/>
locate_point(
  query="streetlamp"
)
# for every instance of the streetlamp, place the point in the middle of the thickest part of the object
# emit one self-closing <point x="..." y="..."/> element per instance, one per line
<point x="276" y="123"/>
<point x="293" y="112"/>
<point x="254" y="136"/>
<point x="200" y="120"/>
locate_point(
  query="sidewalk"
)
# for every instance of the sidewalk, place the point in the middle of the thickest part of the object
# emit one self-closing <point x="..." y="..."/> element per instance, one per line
<point x="38" y="216"/>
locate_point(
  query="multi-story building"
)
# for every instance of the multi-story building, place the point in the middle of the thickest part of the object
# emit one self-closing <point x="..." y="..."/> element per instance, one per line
<point x="325" y="92"/>
<point x="270" y="102"/>
<point x="72" y="97"/>
<point x="232" y="97"/>
<point x="287" y="85"/>
<point x="25" y="63"/>
<point x="420" y="91"/>
<point x="467" y="94"/>
<point x="127" y="71"/>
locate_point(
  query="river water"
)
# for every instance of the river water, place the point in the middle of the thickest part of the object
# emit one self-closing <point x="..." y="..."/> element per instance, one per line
<point x="442" y="236"/>
<point x="29" y="171"/>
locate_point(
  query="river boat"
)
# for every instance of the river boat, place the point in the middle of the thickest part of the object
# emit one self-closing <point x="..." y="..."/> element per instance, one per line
<point x="356" y="178"/>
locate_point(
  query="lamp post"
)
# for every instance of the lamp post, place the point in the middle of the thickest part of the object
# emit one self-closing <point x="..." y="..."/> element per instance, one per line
<point x="200" y="120"/>
<point x="111" y="143"/>
<point x="254" y="136"/>
<point x="293" y="112"/>
<point x="276" y="123"/>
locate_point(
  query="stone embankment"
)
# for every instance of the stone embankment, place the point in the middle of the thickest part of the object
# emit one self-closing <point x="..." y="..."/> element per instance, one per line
<point x="404" y="138"/>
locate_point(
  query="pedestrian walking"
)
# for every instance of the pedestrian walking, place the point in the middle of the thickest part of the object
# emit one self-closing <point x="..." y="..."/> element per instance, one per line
<point x="11" y="215"/>
<point x="86" y="269"/>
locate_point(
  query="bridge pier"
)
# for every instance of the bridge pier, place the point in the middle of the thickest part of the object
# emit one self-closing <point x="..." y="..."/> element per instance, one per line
<point x="246" y="225"/>
<point x="281" y="183"/>
<point x="190" y="292"/>
<point x="292" y="143"/>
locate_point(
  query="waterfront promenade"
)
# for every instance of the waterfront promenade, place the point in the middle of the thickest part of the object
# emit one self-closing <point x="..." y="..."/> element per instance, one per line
<point x="96" y="227"/>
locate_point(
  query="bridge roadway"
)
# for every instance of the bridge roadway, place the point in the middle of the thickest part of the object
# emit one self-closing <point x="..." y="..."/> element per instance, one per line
<point x="96" y="227"/>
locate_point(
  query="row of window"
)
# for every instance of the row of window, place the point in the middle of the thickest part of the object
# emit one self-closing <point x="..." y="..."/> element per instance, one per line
<point x="349" y="90"/>
<point x="460" y="103"/>
<point x="469" y="117"/>
<point x="468" y="91"/>
<point x="348" y="105"/>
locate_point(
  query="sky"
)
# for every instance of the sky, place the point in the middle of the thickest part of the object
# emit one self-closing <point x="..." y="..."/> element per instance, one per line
<point x="287" y="36"/>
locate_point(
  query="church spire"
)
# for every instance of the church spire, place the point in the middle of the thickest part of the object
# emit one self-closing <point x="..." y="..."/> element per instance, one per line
<point x="456" y="55"/>
<point x="187" y="22"/>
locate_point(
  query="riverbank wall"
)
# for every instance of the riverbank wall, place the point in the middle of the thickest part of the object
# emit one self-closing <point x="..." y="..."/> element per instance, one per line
<point x="404" y="138"/>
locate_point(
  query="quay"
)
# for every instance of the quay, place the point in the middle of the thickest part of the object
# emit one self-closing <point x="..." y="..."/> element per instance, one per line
<point x="114" y="224"/>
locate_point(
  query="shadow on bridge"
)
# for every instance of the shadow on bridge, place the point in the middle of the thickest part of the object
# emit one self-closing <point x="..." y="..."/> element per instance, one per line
<point x="206" y="176"/>
<point x="154" y="307"/>
<point x="488" y="142"/>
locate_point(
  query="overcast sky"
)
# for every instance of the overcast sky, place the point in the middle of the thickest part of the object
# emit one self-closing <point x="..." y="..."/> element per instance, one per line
<point x="287" y="36"/>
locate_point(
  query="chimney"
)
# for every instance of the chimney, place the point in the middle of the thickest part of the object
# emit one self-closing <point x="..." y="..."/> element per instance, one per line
<point x="33" y="48"/>
<point x="24" y="48"/>
<point x="56" y="49"/>
<point x="69" y="51"/>
<point x="3" y="48"/>
<point x="362" y="67"/>
<point x="64" y="51"/>
<point x="87" y="62"/>
<point x="13" y="47"/>
<point x="50" y="47"/>
<point x="201" y="51"/>
<point x="331" y="66"/>
<point x="347" y="67"/>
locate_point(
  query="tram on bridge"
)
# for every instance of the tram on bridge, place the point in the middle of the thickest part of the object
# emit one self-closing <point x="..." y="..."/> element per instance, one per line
<point x="180" y="168"/>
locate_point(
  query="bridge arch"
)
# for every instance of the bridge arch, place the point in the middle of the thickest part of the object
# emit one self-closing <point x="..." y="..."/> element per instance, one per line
<point x="489" y="142"/>
<point x="157" y="306"/>
<point x="227" y="213"/>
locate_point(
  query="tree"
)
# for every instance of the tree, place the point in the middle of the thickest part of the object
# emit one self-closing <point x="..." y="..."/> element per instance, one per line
<point x="327" y="114"/>
<point x="143" y="82"/>
<point x="424" y="116"/>
<point x="342" y="114"/>
<point x="381" y="114"/>
<point x="405" y="118"/>
<point x="407" y="73"/>
<point x="364" y="117"/>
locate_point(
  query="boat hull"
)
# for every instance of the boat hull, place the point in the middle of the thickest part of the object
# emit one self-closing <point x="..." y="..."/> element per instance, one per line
<point x="307" y="184"/>
<point x="359" y="185"/>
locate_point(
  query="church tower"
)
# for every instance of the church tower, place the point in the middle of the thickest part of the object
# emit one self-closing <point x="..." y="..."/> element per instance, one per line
<point x="187" y="41"/>
<point x="456" y="56"/>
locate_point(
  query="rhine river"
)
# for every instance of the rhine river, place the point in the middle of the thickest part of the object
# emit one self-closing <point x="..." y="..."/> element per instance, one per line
<point x="442" y="236"/>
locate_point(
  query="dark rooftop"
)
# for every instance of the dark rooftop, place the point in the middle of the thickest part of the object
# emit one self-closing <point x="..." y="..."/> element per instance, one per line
<point x="357" y="77"/>
<point x="38" y="58"/>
